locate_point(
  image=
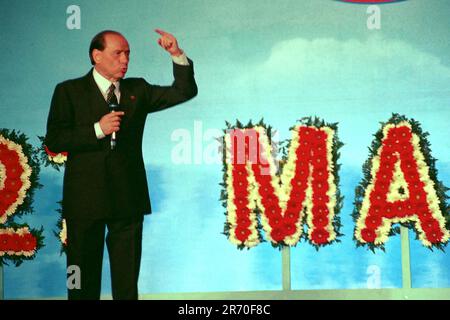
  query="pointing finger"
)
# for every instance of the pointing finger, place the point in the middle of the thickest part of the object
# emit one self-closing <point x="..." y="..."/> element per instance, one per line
<point x="161" y="32"/>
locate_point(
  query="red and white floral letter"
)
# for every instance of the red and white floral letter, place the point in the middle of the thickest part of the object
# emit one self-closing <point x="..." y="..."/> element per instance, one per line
<point x="14" y="182"/>
<point x="400" y="190"/>
<point x="305" y="186"/>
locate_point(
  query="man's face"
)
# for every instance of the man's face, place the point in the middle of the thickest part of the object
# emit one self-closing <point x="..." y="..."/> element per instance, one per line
<point x="112" y="62"/>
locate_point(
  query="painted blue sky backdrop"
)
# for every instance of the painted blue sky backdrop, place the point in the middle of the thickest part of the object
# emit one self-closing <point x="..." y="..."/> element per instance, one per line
<point x="279" y="61"/>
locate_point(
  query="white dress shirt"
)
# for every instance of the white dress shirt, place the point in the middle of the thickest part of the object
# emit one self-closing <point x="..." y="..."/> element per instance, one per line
<point x="104" y="84"/>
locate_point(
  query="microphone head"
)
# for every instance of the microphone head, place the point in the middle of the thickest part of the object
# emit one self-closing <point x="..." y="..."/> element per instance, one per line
<point x="113" y="106"/>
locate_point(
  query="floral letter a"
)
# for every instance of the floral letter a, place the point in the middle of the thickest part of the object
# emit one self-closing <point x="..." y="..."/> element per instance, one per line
<point x="400" y="186"/>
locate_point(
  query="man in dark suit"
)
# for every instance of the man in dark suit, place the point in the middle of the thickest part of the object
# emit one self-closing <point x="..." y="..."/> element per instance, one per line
<point x="105" y="184"/>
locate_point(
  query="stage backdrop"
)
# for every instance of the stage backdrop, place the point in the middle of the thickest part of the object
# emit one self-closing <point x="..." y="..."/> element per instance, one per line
<point x="280" y="61"/>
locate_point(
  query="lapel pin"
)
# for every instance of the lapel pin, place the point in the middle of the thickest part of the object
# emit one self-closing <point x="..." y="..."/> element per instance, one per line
<point x="133" y="98"/>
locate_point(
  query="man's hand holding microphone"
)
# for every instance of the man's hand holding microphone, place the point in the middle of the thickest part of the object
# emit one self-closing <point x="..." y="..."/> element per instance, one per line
<point x="110" y="122"/>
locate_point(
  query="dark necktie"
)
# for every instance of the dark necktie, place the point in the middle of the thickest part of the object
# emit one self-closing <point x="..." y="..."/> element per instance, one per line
<point x="111" y="97"/>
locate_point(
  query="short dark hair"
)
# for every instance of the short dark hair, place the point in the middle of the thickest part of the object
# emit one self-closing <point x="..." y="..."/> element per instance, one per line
<point x="98" y="42"/>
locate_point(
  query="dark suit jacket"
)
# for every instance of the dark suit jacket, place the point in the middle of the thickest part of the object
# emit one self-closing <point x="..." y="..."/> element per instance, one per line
<point x="100" y="182"/>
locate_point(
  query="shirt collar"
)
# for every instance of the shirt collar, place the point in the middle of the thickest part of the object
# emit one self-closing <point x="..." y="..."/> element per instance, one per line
<point x="104" y="83"/>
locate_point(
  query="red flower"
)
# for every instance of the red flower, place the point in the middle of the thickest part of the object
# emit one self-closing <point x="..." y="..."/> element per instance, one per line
<point x="243" y="221"/>
<point x="51" y="154"/>
<point x="320" y="176"/>
<point x="320" y="236"/>
<point x="388" y="211"/>
<point x="377" y="197"/>
<point x="435" y="236"/>
<point x="243" y="212"/>
<point x="302" y="170"/>
<point x="409" y="208"/>
<point x="415" y="186"/>
<point x="388" y="157"/>
<point x="402" y="134"/>
<point x="429" y="225"/>
<point x="306" y="142"/>
<point x="319" y="151"/>
<point x="3" y="207"/>
<point x="262" y="179"/>
<point x="406" y="148"/>
<point x="400" y="209"/>
<point x="306" y="133"/>
<point x="320" y="221"/>
<point x="15" y="243"/>
<point x="373" y="222"/>
<point x="3" y="148"/>
<point x="376" y="210"/>
<point x="29" y="242"/>
<point x="299" y="183"/>
<point x="320" y="163"/>
<point x="14" y="170"/>
<point x="291" y="216"/>
<point x="418" y="197"/>
<point x="13" y="185"/>
<point x="8" y="197"/>
<point x="240" y="186"/>
<point x="384" y="176"/>
<point x="423" y="212"/>
<point x="275" y="221"/>
<point x="389" y="148"/>
<point x="368" y="235"/>
<point x="240" y="201"/>
<point x="4" y="241"/>
<point x="320" y="186"/>
<point x="303" y="152"/>
<point x="266" y="190"/>
<point x="277" y="234"/>
<point x="320" y="199"/>
<point x="411" y="173"/>
<point x="320" y="210"/>
<point x="297" y="195"/>
<point x="273" y="211"/>
<point x="319" y="138"/>
<point x="382" y="186"/>
<point x="242" y="233"/>
<point x="239" y="171"/>
<point x="294" y="205"/>
<point x="289" y="228"/>
<point x="10" y="158"/>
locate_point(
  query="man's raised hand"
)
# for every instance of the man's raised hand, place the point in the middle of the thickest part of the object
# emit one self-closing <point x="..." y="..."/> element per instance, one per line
<point x="169" y="43"/>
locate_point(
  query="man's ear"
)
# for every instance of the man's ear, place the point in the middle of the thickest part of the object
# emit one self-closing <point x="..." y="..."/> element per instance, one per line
<point x="97" y="55"/>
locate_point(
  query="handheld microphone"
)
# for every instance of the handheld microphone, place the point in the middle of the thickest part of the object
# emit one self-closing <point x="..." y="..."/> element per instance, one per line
<point x="113" y="107"/>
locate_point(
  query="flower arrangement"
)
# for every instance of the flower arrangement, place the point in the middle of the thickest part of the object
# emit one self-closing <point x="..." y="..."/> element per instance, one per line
<point x="49" y="158"/>
<point x="19" y="170"/>
<point x="56" y="161"/>
<point x="258" y="195"/>
<point x="61" y="232"/>
<point x="400" y="186"/>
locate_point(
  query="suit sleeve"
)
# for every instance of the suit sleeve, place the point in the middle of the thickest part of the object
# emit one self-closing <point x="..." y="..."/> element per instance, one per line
<point x="182" y="89"/>
<point x="63" y="134"/>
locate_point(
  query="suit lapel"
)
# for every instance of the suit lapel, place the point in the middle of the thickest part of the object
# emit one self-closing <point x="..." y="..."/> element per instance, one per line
<point x="96" y="103"/>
